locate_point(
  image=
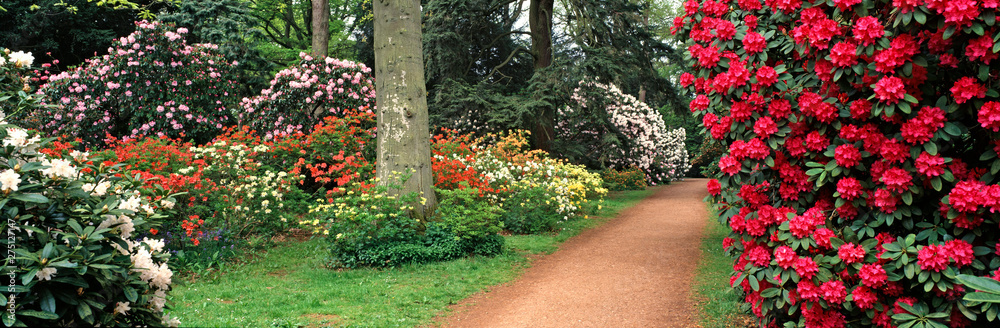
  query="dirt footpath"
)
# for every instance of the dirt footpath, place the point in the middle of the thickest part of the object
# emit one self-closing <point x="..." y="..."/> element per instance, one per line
<point x="634" y="271"/>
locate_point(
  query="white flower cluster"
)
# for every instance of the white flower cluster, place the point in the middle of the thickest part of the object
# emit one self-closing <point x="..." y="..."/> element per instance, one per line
<point x="60" y="173"/>
<point x="19" y="59"/>
<point x="567" y="184"/>
<point x="233" y="164"/>
<point x="649" y="145"/>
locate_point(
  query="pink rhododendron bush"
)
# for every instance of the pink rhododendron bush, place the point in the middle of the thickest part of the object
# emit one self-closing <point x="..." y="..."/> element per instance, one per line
<point x="607" y="128"/>
<point x="308" y="91"/>
<point x="151" y="84"/>
<point x="861" y="171"/>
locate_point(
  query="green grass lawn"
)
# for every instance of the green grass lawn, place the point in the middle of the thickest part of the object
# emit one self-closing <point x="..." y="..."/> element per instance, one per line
<point x="289" y="287"/>
<point x="718" y="305"/>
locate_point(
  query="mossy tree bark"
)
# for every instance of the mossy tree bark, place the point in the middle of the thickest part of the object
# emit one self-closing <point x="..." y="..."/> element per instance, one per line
<point x="403" y="130"/>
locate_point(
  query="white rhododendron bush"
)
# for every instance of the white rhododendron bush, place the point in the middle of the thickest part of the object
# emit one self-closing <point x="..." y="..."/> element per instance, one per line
<point x="74" y="256"/>
<point x="604" y="127"/>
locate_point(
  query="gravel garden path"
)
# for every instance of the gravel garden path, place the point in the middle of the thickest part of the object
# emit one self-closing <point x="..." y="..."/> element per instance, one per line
<point x="634" y="271"/>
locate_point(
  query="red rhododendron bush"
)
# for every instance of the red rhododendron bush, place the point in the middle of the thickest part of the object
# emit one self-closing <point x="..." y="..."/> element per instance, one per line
<point x="861" y="171"/>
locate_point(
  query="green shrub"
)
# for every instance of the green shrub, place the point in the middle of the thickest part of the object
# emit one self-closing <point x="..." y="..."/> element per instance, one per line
<point x="303" y="94"/>
<point x="16" y="97"/>
<point x="368" y="228"/>
<point x="469" y="216"/>
<point x="73" y="253"/>
<point x="153" y="83"/>
<point x="365" y="221"/>
<point x="628" y="179"/>
<point x="526" y="213"/>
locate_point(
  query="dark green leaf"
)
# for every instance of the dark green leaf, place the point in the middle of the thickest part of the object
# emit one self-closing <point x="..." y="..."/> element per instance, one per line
<point x="30" y="198"/>
<point x="38" y="314"/>
<point x="982" y="297"/>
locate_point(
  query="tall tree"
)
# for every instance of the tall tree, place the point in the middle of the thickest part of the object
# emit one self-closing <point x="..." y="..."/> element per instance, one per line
<point x="540" y="24"/>
<point x="320" y="27"/>
<point x="288" y="25"/>
<point x="403" y="131"/>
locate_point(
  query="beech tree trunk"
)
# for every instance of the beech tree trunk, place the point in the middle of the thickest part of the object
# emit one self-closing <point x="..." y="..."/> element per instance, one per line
<point x="320" y="27"/>
<point x="540" y="24"/>
<point x="403" y="127"/>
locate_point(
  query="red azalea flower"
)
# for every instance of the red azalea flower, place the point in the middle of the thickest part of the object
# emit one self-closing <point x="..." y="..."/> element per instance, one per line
<point x="989" y="116"/>
<point x="765" y="127"/>
<point x="834" y="291"/>
<point x="801" y="226"/>
<point x="921" y="128"/>
<point x="872" y="275"/>
<point x="906" y="6"/>
<point x="850" y="253"/>
<point x="967" y="88"/>
<point x="967" y="196"/>
<point x="785" y="256"/>
<point x="822" y="237"/>
<point x="750" y="20"/>
<point x="750" y="5"/>
<point x="892" y="150"/>
<point x="714" y="187"/>
<point x="687" y="79"/>
<point x="754" y="43"/>
<point x="929" y="165"/>
<point x="766" y="76"/>
<point x="788" y="6"/>
<point x="844" y="5"/>
<point x="730" y="165"/>
<point x="960" y="251"/>
<point x="861" y="109"/>
<point x="740" y="111"/>
<point x="897" y="179"/>
<point x="700" y="103"/>
<point x="691" y="7"/>
<point x="956" y="12"/>
<point x="867" y="30"/>
<point x="864" y="298"/>
<point x="847" y="156"/>
<point x="890" y="89"/>
<point x="933" y="257"/>
<point x="824" y="70"/>
<point x="885" y="200"/>
<point x="844" y="54"/>
<point x="760" y="256"/>
<point x="815" y="141"/>
<point x="807" y="290"/>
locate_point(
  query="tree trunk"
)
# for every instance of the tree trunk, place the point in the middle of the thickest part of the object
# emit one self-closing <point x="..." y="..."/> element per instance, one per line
<point x="320" y="27"/>
<point x="403" y="127"/>
<point x="540" y="24"/>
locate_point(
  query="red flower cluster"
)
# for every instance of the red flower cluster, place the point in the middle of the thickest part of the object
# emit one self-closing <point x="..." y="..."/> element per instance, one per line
<point x="856" y="125"/>
<point x="937" y="257"/>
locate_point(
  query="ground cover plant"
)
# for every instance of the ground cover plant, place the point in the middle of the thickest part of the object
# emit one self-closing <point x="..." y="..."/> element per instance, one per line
<point x="860" y="174"/>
